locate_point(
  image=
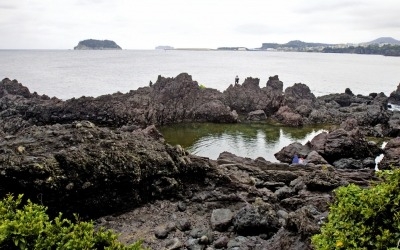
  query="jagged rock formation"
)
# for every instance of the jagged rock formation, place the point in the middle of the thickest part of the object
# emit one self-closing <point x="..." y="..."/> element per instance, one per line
<point x="92" y="44"/>
<point x="395" y="96"/>
<point x="106" y="153"/>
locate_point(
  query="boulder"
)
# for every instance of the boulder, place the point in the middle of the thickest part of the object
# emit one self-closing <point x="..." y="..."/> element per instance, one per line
<point x="221" y="219"/>
<point x="288" y="117"/>
<point x="391" y="156"/>
<point x="286" y="153"/>
<point x="343" y="144"/>
<point x="257" y="115"/>
<point x="251" y="220"/>
<point x="315" y="158"/>
<point x="297" y="95"/>
<point x="274" y="84"/>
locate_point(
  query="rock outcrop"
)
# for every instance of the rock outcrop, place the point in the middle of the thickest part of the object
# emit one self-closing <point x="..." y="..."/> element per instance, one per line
<point x="340" y="148"/>
<point x="395" y="96"/>
<point x="75" y="167"/>
<point x="391" y="154"/>
<point x="263" y="205"/>
<point x="104" y="156"/>
<point x="169" y="100"/>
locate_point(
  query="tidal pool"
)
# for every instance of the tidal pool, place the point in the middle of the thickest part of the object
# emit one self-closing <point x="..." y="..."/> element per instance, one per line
<point x="245" y="139"/>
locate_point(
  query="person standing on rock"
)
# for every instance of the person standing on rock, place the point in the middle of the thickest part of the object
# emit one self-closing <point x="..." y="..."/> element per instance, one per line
<point x="236" y="80"/>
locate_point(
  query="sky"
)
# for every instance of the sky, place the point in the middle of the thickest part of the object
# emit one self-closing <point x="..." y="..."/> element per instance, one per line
<point x="145" y="24"/>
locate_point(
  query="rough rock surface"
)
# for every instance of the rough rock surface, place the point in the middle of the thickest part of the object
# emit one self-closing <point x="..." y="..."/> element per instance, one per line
<point x="105" y="153"/>
<point x="180" y="99"/>
<point x="169" y="100"/>
<point x="262" y="218"/>
<point x="391" y="154"/>
<point x="66" y="166"/>
<point x="334" y="147"/>
<point x="395" y="96"/>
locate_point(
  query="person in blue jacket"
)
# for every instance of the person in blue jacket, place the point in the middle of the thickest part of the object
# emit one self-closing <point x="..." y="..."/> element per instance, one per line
<point x="295" y="159"/>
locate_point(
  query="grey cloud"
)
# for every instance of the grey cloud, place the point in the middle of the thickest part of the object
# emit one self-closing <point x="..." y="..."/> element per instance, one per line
<point x="7" y="6"/>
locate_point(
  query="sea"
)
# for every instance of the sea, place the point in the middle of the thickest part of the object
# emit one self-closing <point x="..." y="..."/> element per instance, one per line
<point x="74" y="73"/>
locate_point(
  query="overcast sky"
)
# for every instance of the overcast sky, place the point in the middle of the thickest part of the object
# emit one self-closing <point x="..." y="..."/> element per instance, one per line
<point x="145" y="24"/>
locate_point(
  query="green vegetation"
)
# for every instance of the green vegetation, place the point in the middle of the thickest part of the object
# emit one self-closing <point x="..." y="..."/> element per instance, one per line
<point x="29" y="227"/>
<point x="201" y="86"/>
<point x="364" y="218"/>
<point x="374" y="49"/>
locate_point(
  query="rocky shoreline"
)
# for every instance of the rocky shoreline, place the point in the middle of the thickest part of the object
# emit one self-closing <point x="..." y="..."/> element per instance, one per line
<point x="105" y="159"/>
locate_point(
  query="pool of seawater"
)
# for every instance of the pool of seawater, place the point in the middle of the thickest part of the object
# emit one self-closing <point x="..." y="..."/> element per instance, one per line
<point x="243" y="139"/>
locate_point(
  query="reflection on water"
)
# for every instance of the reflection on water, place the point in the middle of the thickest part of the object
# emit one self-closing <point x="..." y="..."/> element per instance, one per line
<point x="245" y="139"/>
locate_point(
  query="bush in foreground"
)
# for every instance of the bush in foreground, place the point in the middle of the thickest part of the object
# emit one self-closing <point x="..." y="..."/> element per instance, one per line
<point x="364" y="218"/>
<point x="29" y="227"/>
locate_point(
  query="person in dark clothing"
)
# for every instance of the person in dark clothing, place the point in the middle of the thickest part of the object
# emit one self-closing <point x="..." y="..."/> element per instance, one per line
<point x="236" y="80"/>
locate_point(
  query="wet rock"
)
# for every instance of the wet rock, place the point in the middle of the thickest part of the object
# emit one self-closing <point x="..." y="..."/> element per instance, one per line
<point x="391" y="154"/>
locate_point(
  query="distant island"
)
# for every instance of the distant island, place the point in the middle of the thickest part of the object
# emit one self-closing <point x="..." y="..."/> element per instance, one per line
<point x="386" y="46"/>
<point x="92" y="44"/>
<point x="164" y="47"/>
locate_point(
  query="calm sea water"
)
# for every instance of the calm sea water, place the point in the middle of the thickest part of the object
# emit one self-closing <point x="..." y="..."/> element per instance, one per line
<point x="69" y="73"/>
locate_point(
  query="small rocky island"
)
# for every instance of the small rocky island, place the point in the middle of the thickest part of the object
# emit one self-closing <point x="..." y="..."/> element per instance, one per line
<point x="92" y="44"/>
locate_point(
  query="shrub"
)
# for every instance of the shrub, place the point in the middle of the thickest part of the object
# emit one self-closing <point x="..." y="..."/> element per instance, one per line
<point x="201" y="86"/>
<point x="364" y="218"/>
<point x="29" y="227"/>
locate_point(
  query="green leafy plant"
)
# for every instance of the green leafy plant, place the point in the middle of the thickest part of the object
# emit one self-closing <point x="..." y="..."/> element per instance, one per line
<point x="29" y="227"/>
<point x="201" y="86"/>
<point x="364" y="218"/>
